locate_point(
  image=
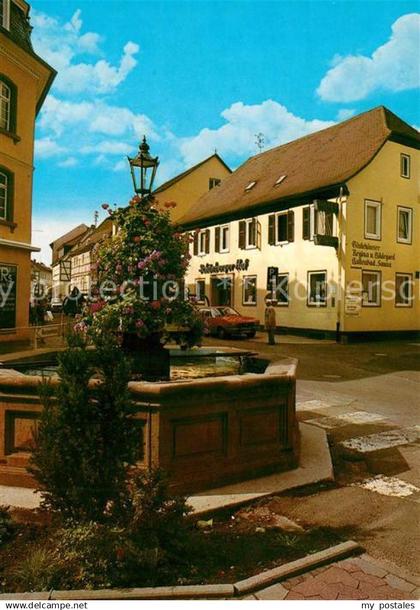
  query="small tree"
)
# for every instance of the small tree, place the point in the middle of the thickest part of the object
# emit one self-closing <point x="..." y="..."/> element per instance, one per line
<point x="86" y="439"/>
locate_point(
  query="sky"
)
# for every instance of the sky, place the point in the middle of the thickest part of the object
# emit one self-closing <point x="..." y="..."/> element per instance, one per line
<point x="197" y="76"/>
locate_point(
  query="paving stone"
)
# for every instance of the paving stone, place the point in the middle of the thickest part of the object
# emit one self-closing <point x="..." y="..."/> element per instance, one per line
<point x="273" y="592"/>
<point x="294" y="595"/>
<point x="335" y="575"/>
<point x="331" y="591"/>
<point x="416" y="593"/>
<point x="370" y="579"/>
<point x="348" y="593"/>
<point x="349" y="566"/>
<point x="399" y="583"/>
<point x="292" y="582"/>
<point x="392" y="569"/>
<point x="368" y="567"/>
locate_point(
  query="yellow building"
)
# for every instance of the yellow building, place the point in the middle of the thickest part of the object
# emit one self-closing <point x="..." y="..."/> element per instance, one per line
<point x="186" y="188"/>
<point x="328" y="225"/>
<point x="24" y="82"/>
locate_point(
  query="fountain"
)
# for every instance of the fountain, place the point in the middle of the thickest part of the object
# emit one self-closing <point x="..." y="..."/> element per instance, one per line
<point x="207" y="416"/>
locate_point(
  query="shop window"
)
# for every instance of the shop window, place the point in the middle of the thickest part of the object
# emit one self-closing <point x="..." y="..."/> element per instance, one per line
<point x="249" y="234"/>
<point x="317" y="288"/>
<point x="282" y="289"/>
<point x="222" y="236"/>
<point x="405" y="165"/>
<point x="405" y="225"/>
<point x="214" y="182"/>
<point x="403" y="290"/>
<point x="6" y="195"/>
<point x="200" y="290"/>
<point x="372" y="219"/>
<point x="371" y="288"/>
<point x="281" y="228"/>
<point x="249" y="291"/>
<point x="5" y="14"/>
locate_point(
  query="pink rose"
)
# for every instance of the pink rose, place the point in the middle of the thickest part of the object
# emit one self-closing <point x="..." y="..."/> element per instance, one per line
<point x="105" y="206"/>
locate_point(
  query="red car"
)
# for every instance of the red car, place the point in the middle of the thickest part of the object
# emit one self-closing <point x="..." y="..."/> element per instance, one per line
<point x="225" y="321"/>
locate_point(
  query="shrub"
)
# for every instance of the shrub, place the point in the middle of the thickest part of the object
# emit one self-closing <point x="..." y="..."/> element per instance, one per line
<point x="85" y="439"/>
<point x="39" y="571"/>
<point x="6" y="525"/>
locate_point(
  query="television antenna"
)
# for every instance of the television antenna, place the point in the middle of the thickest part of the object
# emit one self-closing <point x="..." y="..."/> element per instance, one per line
<point x="260" y="141"/>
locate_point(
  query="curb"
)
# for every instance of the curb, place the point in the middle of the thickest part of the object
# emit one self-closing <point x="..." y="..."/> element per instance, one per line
<point x="225" y="591"/>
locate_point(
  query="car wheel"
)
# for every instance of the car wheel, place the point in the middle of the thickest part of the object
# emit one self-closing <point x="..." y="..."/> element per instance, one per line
<point x="251" y="335"/>
<point x="221" y="333"/>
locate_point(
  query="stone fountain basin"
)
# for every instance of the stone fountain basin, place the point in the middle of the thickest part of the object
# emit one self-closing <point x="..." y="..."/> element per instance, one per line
<point x="203" y="432"/>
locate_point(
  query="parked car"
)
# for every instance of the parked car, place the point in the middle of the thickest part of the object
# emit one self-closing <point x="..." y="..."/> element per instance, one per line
<point x="225" y="322"/>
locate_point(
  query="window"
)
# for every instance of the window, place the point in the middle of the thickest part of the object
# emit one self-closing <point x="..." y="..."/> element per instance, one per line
<point x="282" y="289"/>
<point x="403" y="290"/>
<point x="6" y="195"/>
<point x="405" y="225"/>
<point x="249" y="292"/>
<point x="249" y="234"/>
<point x="214" y="182"/>
<point x="323" y="223"/>
<point x="405" y="165"/>
<point x="5" y="99"/>
<point x="200" y="290"/>
<point x="371" y="288"/>
<point x="5" y="14"/>
<point x="222" y="239"/>
<point x="250" y="185"/>
<point x="317" y="288"/>
<point x="281" y="227"/>
<point x="372" y="219"/>
<point x="280" y="180"/>
<point x="8" y="105"/>
<point x="201" y="242"/>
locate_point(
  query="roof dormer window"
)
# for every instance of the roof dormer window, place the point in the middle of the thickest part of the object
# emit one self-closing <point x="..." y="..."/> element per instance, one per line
<point x="250" y="185"/>
<point x="5" y="14"/>
<point x="280" y="179"/>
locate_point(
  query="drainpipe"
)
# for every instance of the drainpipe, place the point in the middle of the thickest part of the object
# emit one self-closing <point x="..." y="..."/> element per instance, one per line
<point x="340" y="261"/>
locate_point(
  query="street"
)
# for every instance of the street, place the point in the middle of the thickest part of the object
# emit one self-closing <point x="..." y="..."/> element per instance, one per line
<point x="366" y="397"/>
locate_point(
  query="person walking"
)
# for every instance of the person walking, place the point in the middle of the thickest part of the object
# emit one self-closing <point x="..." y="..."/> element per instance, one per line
<point x="270" y="321"/>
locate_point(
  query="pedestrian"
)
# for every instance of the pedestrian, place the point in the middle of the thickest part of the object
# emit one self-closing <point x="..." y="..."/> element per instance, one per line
<point x="270" y="321"/>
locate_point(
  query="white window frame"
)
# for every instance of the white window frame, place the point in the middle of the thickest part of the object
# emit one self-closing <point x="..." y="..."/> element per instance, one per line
<point x="407" y="158"/>
<point x="226" y="229"/>
<point x="366" y="302"/>
<point x="4" y="188"/>
<point x="309" y="301"/>
<point x="6" y="102"/>
<point x="280" y="242"/>
<point x="248" y="245"/>
<point x="201" y="241"/>
<point x="378" y="211"/>
<point x="409" y="239"/>
<point x="5" y="17"/>
<point x="244" y="286"/>
<point x="409" y="277"/>
<point x="197" y="281"/>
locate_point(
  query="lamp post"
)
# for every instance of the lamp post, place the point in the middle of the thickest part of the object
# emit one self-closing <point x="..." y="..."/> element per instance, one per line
<point x="143" y="169"/>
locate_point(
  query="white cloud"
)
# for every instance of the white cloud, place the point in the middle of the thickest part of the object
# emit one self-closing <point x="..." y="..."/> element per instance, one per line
<point x="68" y="162"/>
<point x="345" y="113"/>
<point x="394" y="66"/>
<point x="236" y="137"/>
<point x="62" y="46"/>
<point x="106" y="147"/>
<point x="46" y="147"/>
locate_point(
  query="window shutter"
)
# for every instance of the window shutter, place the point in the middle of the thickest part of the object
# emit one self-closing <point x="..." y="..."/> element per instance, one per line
<point x="195" y="244"/>
<point x="290" y="225"/>
<point x="217" y="239"/>
<point x="272" y="229"/>
<point x="306" y="224"/>
<point x="13" y="107"/>
<point x="242" y="229"/>
<point x="258" y="226"/>
<point x="207" y="241"/>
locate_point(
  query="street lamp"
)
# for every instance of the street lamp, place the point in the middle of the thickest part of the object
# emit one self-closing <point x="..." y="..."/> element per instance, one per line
<point x="143" y="169"/>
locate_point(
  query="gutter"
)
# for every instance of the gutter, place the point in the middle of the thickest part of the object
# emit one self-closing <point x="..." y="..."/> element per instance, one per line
<point x="7" y="243"/>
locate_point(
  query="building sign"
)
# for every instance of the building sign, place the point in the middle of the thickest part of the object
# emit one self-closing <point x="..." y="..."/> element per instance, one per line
<point x="272" y="277"/>
<point x="8" y="275"/>
<point x="240" y="265"/>
<point x="364" y="254"/>
<point x="353" y="304"/>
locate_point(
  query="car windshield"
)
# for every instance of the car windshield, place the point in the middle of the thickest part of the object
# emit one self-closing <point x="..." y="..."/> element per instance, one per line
<point x="227" y="311"/>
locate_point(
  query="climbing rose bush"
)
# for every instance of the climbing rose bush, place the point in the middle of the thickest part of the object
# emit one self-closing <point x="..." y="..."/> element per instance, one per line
<point x="140" y="277"/>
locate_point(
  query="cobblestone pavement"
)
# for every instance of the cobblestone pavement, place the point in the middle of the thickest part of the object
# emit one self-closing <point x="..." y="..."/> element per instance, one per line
<point x="354" y="578"/>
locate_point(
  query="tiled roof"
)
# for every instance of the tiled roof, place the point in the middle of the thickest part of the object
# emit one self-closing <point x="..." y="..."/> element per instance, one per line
<point x="92" y="237"/>
<point x="175" y="179"/>
<point x="316" y="162"/>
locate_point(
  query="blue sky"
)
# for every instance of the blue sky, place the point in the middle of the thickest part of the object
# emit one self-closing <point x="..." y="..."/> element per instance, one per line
<point x="199" y="75"/>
